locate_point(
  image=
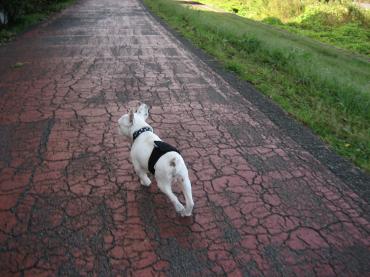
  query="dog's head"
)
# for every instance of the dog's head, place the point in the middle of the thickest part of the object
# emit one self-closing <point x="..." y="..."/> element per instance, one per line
<point x="130" y="121"/>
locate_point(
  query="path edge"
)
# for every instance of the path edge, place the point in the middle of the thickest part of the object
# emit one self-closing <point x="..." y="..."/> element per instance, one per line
<point x="354" y="177"/>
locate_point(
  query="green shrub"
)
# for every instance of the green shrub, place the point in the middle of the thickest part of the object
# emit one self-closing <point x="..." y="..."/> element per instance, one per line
<point x="6" y="36"/>
<point x="12" y="9"/>
<point x="284" y="9"/>
<point x="22" y="14"/>
<point x="359" y="15"/>
<point x="272" y="20"/>
<point x="246" y="43"/>
<point x="15" y="9"/>
<point x="235" y="67"/>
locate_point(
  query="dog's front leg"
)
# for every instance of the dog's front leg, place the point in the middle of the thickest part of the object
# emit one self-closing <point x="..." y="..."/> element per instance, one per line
<point x="144" y="179"/>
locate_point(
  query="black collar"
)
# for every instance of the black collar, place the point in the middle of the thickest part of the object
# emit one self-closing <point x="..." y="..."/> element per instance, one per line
<point x="140" y="131"/>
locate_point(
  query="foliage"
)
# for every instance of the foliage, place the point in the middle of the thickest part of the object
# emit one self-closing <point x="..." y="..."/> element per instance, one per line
<point x="339" y="23"/>
<point x="325" y="88"/>
<point x="15" y="9"/>
<point x="24" y="13"/>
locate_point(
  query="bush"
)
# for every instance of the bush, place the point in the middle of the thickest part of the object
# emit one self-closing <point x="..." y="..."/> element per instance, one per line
<point x="272" y="21"/>
<point x="248" y="44"/>
<point x="356" y="14"/>
<point x="284" y="9"/>
<point x="5" y="36"/>
<point x="14" y="9"/>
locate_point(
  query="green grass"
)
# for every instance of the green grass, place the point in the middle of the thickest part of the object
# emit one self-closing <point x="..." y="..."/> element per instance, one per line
<point x="325" y="88"/>
<point x="8" y="33"/>
<point x="342" y="25"/>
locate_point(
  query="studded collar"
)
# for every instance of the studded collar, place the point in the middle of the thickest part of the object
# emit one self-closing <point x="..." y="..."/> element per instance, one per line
<point x="140" y="131"/>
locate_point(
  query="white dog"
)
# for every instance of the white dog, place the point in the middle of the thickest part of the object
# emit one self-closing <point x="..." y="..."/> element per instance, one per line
<point x="150" y="154"/>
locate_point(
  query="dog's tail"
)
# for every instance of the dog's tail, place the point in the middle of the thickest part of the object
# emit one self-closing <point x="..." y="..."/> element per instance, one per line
<point x="174" y="164"/>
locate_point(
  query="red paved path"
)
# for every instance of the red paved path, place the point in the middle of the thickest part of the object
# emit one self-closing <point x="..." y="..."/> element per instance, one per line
<point x="70" y="204"/>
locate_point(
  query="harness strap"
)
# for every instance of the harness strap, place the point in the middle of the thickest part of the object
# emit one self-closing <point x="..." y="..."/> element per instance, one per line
<point x="160" y="148"/>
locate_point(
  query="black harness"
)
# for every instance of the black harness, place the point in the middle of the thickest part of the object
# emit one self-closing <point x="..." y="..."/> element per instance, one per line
<point x="160" y="148"/>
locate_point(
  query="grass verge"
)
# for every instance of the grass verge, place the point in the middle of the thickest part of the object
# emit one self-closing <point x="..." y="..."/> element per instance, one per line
<point x="8" y="32"/>
<point x="341" y="24"/>
<point x="325" y="88"/>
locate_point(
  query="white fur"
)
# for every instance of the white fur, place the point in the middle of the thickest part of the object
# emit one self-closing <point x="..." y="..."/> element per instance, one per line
<point x="169" y="169"/>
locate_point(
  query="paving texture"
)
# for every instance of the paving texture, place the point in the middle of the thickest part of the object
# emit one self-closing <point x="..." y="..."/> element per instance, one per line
<point x="70" y="204"/>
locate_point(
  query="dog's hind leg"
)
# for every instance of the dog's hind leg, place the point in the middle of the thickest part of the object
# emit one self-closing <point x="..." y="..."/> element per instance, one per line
<point x="186" y="189"/>
<point x="165" y="187"/>
<point x="144" y="179"/>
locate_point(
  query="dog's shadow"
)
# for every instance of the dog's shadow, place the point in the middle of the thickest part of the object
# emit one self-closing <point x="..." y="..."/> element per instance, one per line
<point x="155" y="209"/>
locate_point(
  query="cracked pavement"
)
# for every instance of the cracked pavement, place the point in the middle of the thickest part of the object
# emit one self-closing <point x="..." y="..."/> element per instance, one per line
<point x="70" y="204"/>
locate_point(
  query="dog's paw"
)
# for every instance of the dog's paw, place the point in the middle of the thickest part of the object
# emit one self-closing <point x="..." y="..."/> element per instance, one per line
<point x="179" y="208"/>
<point x="145" y="183"/>
<point x="185" y="212"/>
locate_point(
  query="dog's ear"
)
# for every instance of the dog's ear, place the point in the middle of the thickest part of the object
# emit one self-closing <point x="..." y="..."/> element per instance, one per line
<point x="131" y="117"/>
<point x="143" y="110"/>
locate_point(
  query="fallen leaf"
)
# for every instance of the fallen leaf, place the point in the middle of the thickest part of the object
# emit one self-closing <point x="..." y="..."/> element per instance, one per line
<point x="18" y="65"/>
